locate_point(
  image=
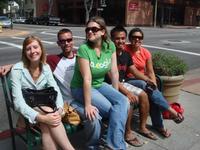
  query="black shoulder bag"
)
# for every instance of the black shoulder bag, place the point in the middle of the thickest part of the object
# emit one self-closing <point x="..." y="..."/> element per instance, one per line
<point x="38" y="98"/>
<point x="150" y="88"/>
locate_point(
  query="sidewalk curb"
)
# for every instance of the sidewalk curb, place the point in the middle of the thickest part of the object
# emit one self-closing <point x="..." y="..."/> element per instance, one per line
<point x="191" y="83"/>
<point x="180" y="27"/>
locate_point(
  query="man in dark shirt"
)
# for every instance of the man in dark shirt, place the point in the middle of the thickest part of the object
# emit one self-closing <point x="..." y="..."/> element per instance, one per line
<point x="135" y="95"/>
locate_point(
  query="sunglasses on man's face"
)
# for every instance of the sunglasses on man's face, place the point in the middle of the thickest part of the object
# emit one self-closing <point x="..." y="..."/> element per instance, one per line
<point x="93" y="29"/>
<point x="134" y="37"/>
<point x="65" y="40"/>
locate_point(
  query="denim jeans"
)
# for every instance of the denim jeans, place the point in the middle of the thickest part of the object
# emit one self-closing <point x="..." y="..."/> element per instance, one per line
<point x="113" y="105"/>
<point x="92" y="129"/>
<point x="158" y="103"/>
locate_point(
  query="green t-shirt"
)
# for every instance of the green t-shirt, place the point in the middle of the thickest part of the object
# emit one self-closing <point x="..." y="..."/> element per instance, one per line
<point x="98" y="66"/>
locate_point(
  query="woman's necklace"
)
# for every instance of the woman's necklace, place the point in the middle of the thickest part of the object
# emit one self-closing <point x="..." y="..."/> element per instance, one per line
<point x="35" y="73"/>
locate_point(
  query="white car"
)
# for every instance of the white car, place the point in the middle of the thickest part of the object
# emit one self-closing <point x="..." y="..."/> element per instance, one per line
<point x="19" y="20"/>
<point x="5" y="22"/>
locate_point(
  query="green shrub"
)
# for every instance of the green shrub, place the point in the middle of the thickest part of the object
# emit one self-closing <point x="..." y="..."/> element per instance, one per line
<point x="166" y="64"/>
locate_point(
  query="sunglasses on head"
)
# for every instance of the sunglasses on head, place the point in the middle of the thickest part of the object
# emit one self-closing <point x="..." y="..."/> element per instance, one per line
<point x="134" y="37"/>
<point x="65" y="40"/>
<point x="93" y="29"/>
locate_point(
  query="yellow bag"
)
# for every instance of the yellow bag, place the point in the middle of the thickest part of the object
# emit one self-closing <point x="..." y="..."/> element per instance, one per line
<point x="71" y="116"/>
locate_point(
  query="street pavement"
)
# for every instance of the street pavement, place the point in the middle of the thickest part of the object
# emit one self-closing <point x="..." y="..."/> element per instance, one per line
<point x="185" y="136"/>
<point x="12" y="32"/>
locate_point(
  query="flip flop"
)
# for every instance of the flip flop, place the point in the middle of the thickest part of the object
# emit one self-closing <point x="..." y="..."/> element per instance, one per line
<point x="164" y="132"/>
<point x="149" y="135"/>
<point x="134" y="141"/>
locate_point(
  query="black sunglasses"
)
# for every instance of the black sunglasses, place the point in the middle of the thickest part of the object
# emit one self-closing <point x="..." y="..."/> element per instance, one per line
<point x="133" y="37"/>
<point x="65" y="40"/>
<point x="93" y="29"/>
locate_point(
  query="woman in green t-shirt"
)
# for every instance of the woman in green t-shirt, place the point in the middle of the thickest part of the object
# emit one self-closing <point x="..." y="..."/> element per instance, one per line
<point x="95" y="58"/>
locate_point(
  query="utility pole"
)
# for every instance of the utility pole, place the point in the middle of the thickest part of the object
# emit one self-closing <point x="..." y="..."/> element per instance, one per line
<point x="155" y="12"/>
<point x="10" y="3"/>
<point x="22" y="8"/>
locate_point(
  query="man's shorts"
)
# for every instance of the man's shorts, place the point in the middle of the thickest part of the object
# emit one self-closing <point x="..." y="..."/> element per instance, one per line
<point x="133" y="89"/>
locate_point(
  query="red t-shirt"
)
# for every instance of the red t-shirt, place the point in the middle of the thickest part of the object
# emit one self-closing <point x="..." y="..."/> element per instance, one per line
<point x="139" y="59"/>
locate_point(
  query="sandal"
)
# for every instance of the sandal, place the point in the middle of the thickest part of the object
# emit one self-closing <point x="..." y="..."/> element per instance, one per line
<point x="179" y="118"/>
<point x="134" y="141"/>
<point x="149" y="135"/>
<point x="164" y="132"/>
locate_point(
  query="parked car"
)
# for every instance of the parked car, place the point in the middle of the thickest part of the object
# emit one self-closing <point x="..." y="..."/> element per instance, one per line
<point x="48" y="20"/>
<point x="31" y="20"/>
<point x="5" y="22"/>
<point x="19" y="20"/>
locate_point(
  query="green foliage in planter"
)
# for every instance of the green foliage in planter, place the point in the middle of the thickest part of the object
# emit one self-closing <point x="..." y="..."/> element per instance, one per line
<point x="166" y="64"/>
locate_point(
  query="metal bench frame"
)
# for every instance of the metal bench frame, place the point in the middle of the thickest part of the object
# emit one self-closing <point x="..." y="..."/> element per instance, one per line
<point x="31" y="135"/>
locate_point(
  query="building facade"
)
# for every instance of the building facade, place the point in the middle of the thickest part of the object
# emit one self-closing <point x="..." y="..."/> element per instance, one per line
<point x="34" y="8"/>
<point x="126" y="12"/>
<point x="173" y="12"/>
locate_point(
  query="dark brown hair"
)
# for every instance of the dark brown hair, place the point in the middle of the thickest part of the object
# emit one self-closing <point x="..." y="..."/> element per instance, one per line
<point x="62" y="31"/>
<point x="118" y="28"/>
<point x="133" y="31"/>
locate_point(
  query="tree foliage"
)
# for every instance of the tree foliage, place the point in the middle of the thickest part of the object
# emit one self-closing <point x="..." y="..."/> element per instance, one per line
<point x="3" y="5"/>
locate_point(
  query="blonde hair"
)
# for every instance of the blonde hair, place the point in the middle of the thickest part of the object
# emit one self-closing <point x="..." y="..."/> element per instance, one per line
<point x="26" y="42"/>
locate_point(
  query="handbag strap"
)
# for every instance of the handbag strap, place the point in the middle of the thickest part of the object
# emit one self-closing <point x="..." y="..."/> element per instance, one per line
<point x="47" y="112"/>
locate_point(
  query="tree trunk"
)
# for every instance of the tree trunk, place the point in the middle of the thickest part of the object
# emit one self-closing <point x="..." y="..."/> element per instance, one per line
<point x="88" y="7"/>
<point x="50" y="7"/>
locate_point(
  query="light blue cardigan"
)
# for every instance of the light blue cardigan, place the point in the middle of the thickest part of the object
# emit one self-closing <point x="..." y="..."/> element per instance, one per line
<point x="21" y="79"/>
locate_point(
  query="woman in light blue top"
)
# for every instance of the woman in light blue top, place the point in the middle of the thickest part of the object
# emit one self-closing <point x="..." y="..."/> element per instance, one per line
<point x="33" y="72"/>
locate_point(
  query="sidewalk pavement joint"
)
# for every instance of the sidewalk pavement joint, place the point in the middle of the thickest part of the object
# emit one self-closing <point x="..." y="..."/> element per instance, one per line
<point x="192" y="82"/>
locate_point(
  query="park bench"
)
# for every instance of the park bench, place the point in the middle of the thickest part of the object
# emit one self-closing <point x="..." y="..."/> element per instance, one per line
<point x="30" y="134"/>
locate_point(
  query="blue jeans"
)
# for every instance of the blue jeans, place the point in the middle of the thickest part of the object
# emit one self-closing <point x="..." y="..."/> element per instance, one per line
<point x="113" y="105"/>
<point x="92" y="129"/>
<point x="158" y="103"/>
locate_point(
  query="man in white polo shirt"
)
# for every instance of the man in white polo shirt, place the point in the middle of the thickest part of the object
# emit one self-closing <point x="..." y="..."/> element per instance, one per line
<point x="62" y="66"/>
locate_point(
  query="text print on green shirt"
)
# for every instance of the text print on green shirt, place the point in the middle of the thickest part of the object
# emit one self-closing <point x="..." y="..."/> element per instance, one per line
<point x="98" y="65"/>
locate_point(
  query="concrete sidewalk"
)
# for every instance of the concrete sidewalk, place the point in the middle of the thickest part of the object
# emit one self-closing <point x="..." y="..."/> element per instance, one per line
<point x="192" y="82"/>
<point x="185" y="136"/>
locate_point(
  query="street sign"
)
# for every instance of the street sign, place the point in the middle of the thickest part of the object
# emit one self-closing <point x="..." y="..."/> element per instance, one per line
<point x="103" y="3"/>
<point x="133" y="6"/>
<point x="4" y="11"/>
<point x="100" y="9"/>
